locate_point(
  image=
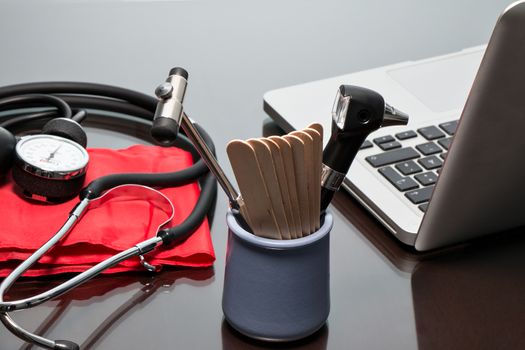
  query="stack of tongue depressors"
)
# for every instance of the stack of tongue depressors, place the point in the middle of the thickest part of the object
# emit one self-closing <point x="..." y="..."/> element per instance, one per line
<point x="279" y="178"/>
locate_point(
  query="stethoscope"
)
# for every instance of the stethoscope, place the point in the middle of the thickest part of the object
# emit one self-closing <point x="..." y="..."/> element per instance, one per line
<point x="56" y="175"/>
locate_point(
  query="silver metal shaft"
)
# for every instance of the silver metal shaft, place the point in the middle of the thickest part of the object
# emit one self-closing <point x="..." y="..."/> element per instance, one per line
<point x="235" y="198"/>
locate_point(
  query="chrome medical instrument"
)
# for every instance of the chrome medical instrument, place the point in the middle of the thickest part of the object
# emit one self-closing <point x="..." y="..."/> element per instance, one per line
<point x="356" y="113"/>
<point x="170" y="116"/>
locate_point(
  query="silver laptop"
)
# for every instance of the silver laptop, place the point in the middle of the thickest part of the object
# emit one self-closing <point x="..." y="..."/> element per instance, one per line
<point x="457" y="170"/>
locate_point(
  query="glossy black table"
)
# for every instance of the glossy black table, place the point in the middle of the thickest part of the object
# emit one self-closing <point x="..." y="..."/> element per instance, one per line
<point x="383" y="295"/>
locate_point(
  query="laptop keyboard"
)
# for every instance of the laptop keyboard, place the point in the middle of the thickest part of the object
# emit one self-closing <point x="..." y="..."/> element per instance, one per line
<point x="413" y="170"/>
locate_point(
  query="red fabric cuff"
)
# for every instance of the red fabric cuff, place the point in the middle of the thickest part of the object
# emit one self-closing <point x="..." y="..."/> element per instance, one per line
<point x="107" y="230"/>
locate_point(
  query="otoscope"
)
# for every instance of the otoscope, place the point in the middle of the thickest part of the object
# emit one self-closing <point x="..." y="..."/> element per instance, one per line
<point x="356" y="113"/>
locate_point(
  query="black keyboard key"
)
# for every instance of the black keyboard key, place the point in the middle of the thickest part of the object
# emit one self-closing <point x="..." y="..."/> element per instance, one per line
<point x="389" y="157"/>
<point x="420" y="195"/>
<point x="445" y="143"/>
<point x="431" y="133"/>
<point x="426" y="179"/>
<point x="431" y="162"/>
<point x="428" y="148"/>
<point x="387" y="146"/>
<point x="383" y="139"/>
<point x="405" y="135"/>
<point x="423" y="207"/>
<point x="443" y="155"/>
<point x="449" y="127"/>
<point x="408" y="168"/>
<point x="366" y="144"/>
<point x="400" y="182"/>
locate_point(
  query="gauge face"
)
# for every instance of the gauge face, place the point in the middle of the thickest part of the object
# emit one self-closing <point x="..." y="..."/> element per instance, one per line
<point x="51" y="155"/>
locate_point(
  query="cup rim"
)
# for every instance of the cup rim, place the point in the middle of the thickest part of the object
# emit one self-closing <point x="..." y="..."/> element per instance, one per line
<point x="240" y="232"/>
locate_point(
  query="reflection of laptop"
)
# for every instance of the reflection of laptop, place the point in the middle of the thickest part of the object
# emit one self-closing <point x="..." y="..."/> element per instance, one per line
<point x="473" y="300"/>
<point x="480" y="188"/>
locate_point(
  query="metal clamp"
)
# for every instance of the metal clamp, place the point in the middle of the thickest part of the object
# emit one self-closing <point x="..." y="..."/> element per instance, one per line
<point x="147" y="265"/>
<point x="331" y="179"/>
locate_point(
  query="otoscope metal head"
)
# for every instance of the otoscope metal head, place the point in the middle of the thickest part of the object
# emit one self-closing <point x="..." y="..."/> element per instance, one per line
<point x="170" y="94"/>
<point x="394" y="116"/>
<point x="359" y="110"/>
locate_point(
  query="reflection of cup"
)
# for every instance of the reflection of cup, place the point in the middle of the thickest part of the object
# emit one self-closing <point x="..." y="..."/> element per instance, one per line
<point x="231" y="339"/>
<point x="277" y="290"/>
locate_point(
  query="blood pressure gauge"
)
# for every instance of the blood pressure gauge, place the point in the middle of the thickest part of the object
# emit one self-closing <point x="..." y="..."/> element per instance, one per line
<point x="49" y="168"/>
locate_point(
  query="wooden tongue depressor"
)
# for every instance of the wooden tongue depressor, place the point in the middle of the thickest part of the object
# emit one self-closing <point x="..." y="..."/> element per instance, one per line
<point x="253" y="189"/>
<point x="283" y="183"/>
<point x="297" y="146"/>
<point x="265" y="160"/>
<point x="310" y="174"/>
<point x="288" y="162"/>
<point x="317" y="161"/>
<point x="319" y="128"/>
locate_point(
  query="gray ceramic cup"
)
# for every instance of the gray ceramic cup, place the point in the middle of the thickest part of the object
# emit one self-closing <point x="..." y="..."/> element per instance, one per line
<point x="277" y="290"/>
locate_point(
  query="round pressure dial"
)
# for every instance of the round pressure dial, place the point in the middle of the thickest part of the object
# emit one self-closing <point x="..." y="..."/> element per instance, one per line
<point x="49" y="167"/>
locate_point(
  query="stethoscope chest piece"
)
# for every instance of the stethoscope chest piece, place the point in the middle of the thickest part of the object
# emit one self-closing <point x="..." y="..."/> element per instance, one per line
<point x="49" y="168"/>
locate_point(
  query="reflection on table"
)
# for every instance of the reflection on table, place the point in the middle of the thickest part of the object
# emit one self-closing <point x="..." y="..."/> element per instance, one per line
<point x="464" y="297"/>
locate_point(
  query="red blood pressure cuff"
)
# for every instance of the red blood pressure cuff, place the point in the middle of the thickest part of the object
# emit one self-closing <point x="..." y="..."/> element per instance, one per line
<point x="108" y="229"/>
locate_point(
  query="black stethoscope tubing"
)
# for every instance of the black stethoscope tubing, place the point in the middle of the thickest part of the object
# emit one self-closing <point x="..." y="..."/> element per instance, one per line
<point x="107" y="103"/>
<point x="127" y="102"/>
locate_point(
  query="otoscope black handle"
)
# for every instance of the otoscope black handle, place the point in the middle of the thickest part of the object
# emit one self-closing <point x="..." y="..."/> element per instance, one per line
<point x="326" y="198"/>
<point x="338" y="155"/>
